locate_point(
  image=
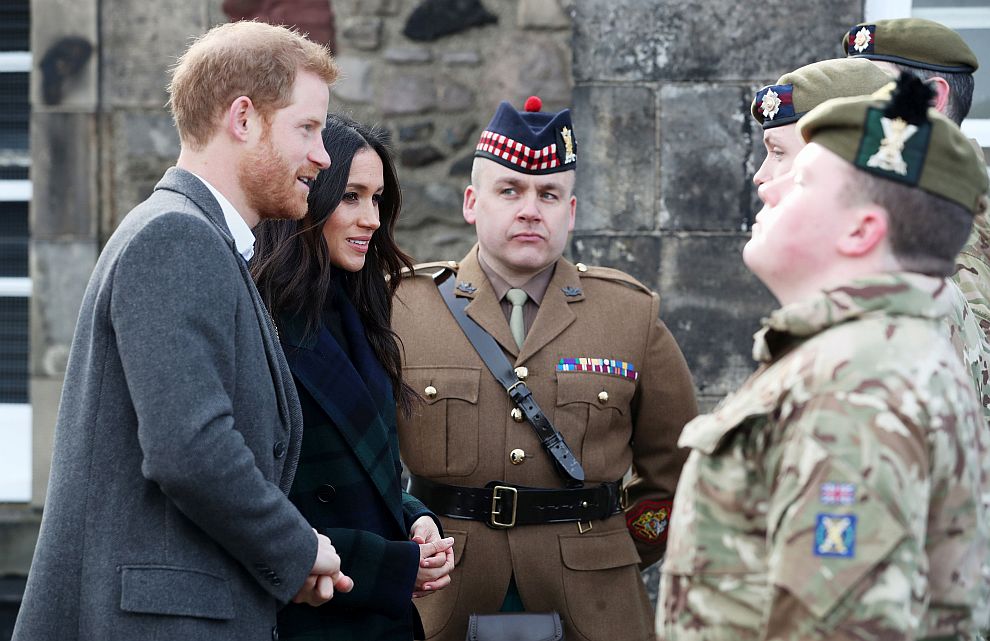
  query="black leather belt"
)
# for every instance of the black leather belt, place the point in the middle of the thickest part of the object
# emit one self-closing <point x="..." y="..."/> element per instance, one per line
<point x="501" y="505"/>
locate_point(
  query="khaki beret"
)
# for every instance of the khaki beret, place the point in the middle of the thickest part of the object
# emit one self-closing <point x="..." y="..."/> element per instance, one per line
<point x="914" y="42"/>
<point x="798" y="92"/>
<point x="901" y="139"/>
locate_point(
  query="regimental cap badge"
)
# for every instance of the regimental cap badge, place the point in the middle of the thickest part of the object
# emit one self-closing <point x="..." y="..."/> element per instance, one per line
<point x="895" y="139"/>
<point x="861" y="39"/>
<point x="567" y="145"/>
<point x="774" y="102"/>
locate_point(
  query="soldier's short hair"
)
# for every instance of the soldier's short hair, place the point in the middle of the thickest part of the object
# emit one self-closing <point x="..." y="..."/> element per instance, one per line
<point x="250" y="59"/>
<point x="925" y="230"/>
<point x="961" y="87"/>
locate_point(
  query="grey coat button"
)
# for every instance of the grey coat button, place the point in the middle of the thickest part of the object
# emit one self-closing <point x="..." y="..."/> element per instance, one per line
<point x="279" y="449"/>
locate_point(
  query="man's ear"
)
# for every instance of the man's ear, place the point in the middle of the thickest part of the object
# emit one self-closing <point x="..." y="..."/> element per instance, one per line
<point x="867" y="230"/>
<point x="942" y="93"/>
<point x="238" y="118"/>
<point x="470" y="199"/>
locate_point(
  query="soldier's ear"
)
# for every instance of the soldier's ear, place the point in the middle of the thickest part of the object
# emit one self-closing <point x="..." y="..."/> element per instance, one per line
<point x="866" y="231"/>
<point x="942" y="93"/>
<point x="470" y="200"/>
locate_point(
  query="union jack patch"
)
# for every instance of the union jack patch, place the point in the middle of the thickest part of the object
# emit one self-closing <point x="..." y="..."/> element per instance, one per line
<point x="648" y="520"/>
<point x="837" y="493"/>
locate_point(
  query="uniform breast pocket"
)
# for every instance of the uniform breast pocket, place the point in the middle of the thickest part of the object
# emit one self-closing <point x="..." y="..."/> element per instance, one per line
<point x="440" y="438"/>
<point x="593" y="415"/>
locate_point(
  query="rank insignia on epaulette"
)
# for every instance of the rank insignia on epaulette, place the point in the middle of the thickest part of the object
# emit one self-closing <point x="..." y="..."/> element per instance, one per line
<point x="465" y="287"/>
<point x="861" y="39"/>
<point x="648" y="520"/>
<point x="571" y="291"/>
<point x="835" y="535"/>
<point x="832" y="493"/>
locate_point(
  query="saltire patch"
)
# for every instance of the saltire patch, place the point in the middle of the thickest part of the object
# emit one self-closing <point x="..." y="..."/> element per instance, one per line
<point x="598" y="365"/>
<point x="833" y="493"/>
<point x="893" y="148"/>
<point x="862" y="40"/>
<point x="648" y="521"/>
<point x="835" y="535"/>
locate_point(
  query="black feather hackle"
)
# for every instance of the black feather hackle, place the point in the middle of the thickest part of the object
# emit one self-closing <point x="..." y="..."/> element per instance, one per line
<point x="910" y="100"/>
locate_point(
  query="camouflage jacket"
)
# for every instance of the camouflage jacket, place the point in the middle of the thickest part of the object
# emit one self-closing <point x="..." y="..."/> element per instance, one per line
<point x="840" y="493"/>
<point x="973" y="271"/>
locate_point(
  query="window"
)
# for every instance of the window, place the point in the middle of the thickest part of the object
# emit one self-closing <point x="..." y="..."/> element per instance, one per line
<point x="971" y="19"/>
<point x="15" y="283"/>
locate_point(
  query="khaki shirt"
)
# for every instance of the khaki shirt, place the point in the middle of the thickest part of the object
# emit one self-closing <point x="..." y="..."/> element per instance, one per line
<point x="840" y="493"/>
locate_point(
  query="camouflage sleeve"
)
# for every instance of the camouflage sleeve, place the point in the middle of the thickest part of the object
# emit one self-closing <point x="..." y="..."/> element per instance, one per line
<point x="973" y="271"/>
<point x="663" y="404"/>
<point x="846" y="521"/>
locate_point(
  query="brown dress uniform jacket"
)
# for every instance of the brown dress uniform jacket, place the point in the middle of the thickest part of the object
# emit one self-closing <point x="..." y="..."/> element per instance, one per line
<point x="463" y="434"/>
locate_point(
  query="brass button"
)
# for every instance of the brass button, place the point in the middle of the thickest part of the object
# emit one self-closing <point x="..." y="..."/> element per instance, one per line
<point x="584" y="504"/>
<point x="581" y="267"/>
<point x="522" y="372"/>
<point x="516" y="415"/>
<point x="517" y="456"/>
<point x="603" y="397"/>
<point x="431" y="392"/>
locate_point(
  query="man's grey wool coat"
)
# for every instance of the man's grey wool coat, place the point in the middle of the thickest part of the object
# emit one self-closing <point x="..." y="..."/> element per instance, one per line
<point x="176" y="442"/>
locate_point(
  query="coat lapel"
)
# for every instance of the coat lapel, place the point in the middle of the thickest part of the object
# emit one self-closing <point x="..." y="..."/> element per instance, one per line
<point x="484" y="308"/>
<point x="185" y="183"/>
<point x="555" y="314"/>
<point x="355" y="393"/>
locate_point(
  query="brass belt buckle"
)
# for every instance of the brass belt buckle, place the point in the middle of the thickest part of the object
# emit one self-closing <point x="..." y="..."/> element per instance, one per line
<point x="497" y="509"/>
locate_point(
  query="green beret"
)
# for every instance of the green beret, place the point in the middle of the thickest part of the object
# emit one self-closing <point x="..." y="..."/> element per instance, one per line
<point x="902" y="139"/>
<point x="798" y="92"/>
<point x="914" y="42"/>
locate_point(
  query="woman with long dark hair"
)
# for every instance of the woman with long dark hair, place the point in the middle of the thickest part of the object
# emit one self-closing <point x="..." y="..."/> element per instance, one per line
<point x="328" y="282"/>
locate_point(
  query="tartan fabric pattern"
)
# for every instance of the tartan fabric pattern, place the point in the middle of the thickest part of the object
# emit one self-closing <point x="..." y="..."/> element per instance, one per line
<point x="517" y="153"/>
<point x="350" y="442"/>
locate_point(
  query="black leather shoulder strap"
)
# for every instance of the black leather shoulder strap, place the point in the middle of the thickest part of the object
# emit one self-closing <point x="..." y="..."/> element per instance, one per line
<point x="488" y="349"/>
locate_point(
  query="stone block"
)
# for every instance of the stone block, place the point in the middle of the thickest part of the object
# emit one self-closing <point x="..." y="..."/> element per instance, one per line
<point x="697" y="41"/>
<point x="59" y="274"/>
<point x="362" y="32"/>
<point x="529" y="64"/>
<point x="141" y="41"/>
<point x="431" y="226"/>
<point x="408" y="55"/>
<point x="420" y="155"/>
<point x="64" y="176"/>
<point x="354" y="82"/>
<point x="56" y="62"/>
<point x="468" y="58"/>
<point x="712" y="305"/>
<point x="615" y="130"/>
<point x="638" y="256"/>
<point x="416" y="131"/>
<point x="46" y="394"/>
<point x="704" y="177"/>
<point x="458" y="134"/>
<point x="18" y="536"/>
<point x="407" y="93"/>
<point x="461" y="167"/>
<point x="542" y="14"/>
<point x="141" y="147"/>
<point x="453" y="97"/>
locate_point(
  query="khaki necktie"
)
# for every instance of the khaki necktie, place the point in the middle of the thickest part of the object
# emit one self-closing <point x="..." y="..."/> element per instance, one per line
<point x="516" y="322"/>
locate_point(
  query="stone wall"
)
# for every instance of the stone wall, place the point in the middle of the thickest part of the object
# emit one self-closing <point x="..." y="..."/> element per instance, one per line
<point x="662" y="90"/>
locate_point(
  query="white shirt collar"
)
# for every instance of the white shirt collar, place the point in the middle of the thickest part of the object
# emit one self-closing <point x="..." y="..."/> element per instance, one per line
<point x="243" y="236"/>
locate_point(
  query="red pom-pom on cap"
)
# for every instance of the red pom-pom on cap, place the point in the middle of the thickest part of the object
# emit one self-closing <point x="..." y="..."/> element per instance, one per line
<point x="533" y="103"/>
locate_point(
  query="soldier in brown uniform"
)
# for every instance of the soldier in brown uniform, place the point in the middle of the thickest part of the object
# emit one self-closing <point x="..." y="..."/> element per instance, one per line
<point x="604" y="370"/>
